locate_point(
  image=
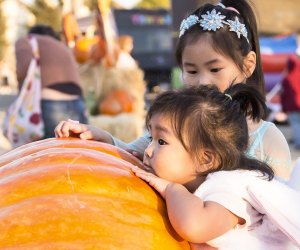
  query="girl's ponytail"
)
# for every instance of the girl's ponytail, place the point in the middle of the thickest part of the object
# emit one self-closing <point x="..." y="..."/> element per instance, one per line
<point x="250" y="99"/>
<point x="251" y="104"/>
<point x="247" y="13"/>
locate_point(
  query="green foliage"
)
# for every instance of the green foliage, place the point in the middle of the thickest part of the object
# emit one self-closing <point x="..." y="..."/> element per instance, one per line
<point x="155" y="4"/>
<point x="47" y="15"/>
<point x="3" y="42"/>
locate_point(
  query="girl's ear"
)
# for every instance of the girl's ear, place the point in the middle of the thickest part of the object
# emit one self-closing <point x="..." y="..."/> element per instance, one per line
<point x="249" y="64"/>
<point x="208" y="161"/>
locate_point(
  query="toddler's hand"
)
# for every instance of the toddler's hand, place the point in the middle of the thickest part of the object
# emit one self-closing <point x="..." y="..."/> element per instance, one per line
<point x="156" y="182"/>
<point x="83" y="131"/>
<point x="69" y="128"/>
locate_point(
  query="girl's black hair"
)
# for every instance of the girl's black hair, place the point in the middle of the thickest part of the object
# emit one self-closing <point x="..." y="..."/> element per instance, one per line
<point x="204" y="118"/>
<point x="226" y="42"/>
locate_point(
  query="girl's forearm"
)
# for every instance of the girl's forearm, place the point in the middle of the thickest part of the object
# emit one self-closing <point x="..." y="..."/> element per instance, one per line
<point x="195" y="220"/>
<point x="183" y="208"/>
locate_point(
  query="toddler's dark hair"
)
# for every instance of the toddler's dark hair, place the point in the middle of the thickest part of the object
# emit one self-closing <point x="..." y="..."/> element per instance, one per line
<point x="204" y="118"/>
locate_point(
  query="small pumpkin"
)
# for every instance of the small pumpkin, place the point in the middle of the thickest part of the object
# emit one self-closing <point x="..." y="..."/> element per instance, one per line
<point x="75" y="194"/>
<point x="118" y="101"/>
<point x="83" y="46"/>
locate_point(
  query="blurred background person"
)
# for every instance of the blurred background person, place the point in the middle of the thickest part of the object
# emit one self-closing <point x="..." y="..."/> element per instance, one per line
<point x="290" y="96"/>
<point x="61" y="95"/>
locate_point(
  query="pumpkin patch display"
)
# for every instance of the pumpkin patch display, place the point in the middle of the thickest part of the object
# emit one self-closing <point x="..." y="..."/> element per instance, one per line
<point x="76" y="194"/>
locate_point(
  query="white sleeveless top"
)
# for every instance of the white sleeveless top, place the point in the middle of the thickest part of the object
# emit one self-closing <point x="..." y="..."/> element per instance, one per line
<point x="230" y="189"/>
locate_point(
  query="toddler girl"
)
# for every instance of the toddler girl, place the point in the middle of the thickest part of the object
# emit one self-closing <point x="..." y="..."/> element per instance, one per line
<point x="214" y="193"/>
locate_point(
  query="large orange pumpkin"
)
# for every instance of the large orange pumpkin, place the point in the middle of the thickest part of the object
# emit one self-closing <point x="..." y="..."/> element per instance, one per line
<point x="75" y="194"/>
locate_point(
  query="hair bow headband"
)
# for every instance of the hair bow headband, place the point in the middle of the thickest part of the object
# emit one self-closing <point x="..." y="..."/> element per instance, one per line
<point x="212" y="21"/>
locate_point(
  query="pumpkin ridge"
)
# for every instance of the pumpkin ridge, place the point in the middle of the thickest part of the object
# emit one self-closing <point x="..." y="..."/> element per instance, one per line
<point x="62" y="179"/>
<point x="68" y="143"/>
<point x="52" y="155"/>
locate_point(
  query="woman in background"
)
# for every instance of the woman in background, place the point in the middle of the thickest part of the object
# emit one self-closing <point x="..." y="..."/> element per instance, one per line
<point x="61" y="86"/>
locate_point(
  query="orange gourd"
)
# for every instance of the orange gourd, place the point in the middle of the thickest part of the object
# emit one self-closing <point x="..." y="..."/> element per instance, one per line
<point x="75" y="194"/>
<point x="83" y="47"/>
<point x="118" y="101"/>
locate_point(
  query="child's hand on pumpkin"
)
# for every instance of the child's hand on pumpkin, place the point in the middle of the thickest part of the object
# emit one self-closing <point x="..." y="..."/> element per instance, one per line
<point x="156" y="182"/>
<point x="83" y="131"/>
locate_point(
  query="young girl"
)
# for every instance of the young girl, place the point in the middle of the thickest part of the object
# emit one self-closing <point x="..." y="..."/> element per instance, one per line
<point x="217" y="45"/>
<point x="196" y="161"/>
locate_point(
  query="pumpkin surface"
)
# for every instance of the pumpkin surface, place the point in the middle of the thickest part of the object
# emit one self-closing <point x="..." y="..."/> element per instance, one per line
<point x="37" y="146"/>
<point x="76" y="194"/>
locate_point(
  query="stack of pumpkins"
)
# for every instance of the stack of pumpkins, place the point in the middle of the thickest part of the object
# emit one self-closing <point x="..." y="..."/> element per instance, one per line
<point x="114" y="95"/>
<point x="76" y="194"/>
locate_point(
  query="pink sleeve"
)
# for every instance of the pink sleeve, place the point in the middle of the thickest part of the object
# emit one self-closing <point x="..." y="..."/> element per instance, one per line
<point x="282" y="209"/>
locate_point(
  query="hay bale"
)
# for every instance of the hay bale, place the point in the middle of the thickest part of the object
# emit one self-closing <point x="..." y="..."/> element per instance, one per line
<point x="125" y="126"/>
<point x="131" y="80"/>
<point x="102" y="81"/>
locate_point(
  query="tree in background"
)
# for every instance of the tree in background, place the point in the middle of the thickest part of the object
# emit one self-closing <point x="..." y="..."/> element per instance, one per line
<point x="47" y="14"/>
<point x="3" y="42"/>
